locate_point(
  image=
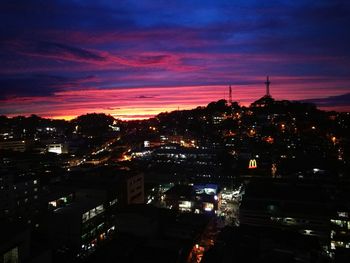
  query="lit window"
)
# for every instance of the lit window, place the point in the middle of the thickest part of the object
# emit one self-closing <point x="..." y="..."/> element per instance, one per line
<point x="113" y="202"/>
<point x="53" y="203"/>
<point x="333" y="245"/>
<point x="92" y="213"/>
<point x="208" y="207"/>
<point x="64" y="199"/>
<point x="185" y="204"/>
<point x="85" y="217"/>
<point x="343" y="214"/>
<point x="11" y="255"/>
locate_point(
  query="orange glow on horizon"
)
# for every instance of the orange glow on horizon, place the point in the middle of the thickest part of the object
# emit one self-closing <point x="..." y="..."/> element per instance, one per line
<point x="66" y="118"/>
<point x="145" y="102"/>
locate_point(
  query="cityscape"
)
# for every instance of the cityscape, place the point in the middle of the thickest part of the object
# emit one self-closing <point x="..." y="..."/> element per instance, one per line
<point x="194" y="185"/>
<point x="181" y="147"/>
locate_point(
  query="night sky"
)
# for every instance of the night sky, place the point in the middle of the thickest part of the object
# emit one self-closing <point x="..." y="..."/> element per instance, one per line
<point x="135" y="58"/>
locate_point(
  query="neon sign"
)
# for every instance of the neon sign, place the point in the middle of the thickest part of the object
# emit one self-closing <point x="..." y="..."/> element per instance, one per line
<point x="252" y="164"/>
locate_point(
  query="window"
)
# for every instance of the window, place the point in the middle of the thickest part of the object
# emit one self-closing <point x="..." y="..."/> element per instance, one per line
<point x="341" y="223"/>
<point x="11" y="256"/>
<point x="208" y="206"/>
<point x="86" y="216"/>
<point x="185" y="204"/>
<point x="343" y="214"/>
<point x="114" y="201"/>
<point x="53" y="203"/>
<point x="92" y="213"/>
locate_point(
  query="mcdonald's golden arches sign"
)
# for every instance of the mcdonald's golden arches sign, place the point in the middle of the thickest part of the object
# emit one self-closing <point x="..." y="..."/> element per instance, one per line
<point x="252" y="164"/>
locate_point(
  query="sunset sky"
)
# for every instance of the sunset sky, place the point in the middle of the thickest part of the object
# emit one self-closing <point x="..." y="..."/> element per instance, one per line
<point x="135" y="58"/>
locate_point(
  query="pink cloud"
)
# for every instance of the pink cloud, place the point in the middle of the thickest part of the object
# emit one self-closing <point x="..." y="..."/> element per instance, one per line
<point x="126" y="103"/>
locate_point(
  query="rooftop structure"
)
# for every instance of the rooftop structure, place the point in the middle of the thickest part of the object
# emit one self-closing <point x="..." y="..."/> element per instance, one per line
<point x="267" y="83"/>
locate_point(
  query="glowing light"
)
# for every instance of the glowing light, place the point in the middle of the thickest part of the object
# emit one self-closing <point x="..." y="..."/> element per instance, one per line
<point x="55" y="148"/>
<point x="252" y="164"/>
<point x="334" y="140"/>
<point x="252" y="132"/>
<point x="274" y="169"/>
<point x="307" y="232"/>
<point x="269" y="139"/>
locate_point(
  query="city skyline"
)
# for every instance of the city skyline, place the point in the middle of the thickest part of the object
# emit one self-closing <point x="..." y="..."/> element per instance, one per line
<point x="136" y="59"/>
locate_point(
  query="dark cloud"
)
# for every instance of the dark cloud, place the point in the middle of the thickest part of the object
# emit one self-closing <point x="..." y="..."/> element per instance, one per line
<point x="112" y="108"/>
<point x="145" y="97"/>
<point x="61" y="51"/>
<point x="332" y="101"/>
<point x="36" y="16"/>
<point x="13" y="86"/>
<point x="153" y="59"/>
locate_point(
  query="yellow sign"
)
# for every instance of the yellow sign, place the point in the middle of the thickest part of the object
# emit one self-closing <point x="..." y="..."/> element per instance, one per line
<point x="252" y="164"/>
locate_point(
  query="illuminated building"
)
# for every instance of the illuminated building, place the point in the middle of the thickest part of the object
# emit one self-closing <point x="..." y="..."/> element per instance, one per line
<point x="146" y="144"/>
<point x="198" y="198"/>
<point x="82" y="210"/>
<point x="218" y="119"/>
<point x="340" y="230"/>
<point x="82" y="224"/>
<point x="60" y="198"/>
<point x="13" y="145"/>
<point x="58" y="148"/>
<point x="19" y="196"/>
<point x="177" y="154"/>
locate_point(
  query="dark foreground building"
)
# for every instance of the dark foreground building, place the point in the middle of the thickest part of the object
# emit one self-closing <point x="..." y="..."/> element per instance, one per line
<point x="311" y="208"/>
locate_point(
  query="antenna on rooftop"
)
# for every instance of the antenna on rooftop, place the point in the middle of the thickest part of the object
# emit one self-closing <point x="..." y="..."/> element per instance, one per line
<point x="267" y="83"/>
